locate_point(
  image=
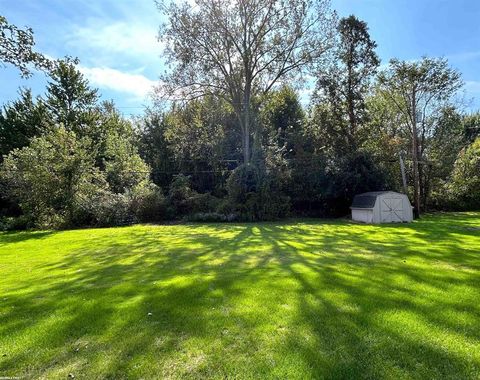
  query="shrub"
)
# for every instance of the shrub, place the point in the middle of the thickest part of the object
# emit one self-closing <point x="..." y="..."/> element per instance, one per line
<point x="109" y="209"/>
<point x="211" y="217"/>
<point x="148" y="203"/>
<point x="253" y="195"/>
<point x="179" y="193"/>
<point x="186" y="201"/>
<point x="12" y="223"/>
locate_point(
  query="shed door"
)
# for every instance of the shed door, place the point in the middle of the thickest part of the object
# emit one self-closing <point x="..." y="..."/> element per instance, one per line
<point x="391" y="210"/>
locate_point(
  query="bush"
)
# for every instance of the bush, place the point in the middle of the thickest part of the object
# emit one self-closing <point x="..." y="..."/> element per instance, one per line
<point x="148" y="203"/>
<point x="14" y="223"/>
<point x="111" y="209"/>
<point x="183" y="200"/>
<point x="211" y="217"/>
<point x="253" y="195"/>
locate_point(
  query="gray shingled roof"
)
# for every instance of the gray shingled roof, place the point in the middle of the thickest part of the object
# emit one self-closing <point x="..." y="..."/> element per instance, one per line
<point x="366" y="200"/>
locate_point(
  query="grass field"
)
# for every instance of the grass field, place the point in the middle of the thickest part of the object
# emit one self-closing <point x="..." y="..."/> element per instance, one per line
<point x="302" y="299"/>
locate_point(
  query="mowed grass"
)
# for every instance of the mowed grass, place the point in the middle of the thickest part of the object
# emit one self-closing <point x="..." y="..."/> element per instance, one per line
<point x="302" y="299"/>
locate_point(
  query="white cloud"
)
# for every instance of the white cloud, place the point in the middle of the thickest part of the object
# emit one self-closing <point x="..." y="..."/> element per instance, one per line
<point x="130" y="83"/>
<point x="117" y="39"/>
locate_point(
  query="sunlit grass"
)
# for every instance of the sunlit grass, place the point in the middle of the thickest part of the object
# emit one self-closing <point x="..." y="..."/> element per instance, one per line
<point x="304" y="299"/>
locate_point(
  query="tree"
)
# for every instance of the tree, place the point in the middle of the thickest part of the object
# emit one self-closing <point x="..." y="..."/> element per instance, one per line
<point x="281" y="118"/>
<point x="49" y="177"/>
<point x="240" y="50"/>
<point x="124" y="168"/>
<point x="20" y="121"/>
<point x="346" y="84"/>
<point x="198" y="136"/>
<point x="153" y="145"/>
<point x="471" y="125"/>
<point x="464" y="187"/>
<point x="419" y="90"/>
<point x="114" y="146"/>
<point x="16" y="48"/>
<point x="440" y="150"/>
<point x="69" y="98"/>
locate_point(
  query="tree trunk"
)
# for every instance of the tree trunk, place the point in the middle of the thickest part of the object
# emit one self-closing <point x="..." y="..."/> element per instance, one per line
<point x="350" y="102"/>
<point x="416" y="179"/>
<point x="246" y="124"/>
<point x="246" y="138"/>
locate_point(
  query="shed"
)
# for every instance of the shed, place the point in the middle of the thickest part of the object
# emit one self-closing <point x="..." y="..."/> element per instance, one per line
<point x="381" y="207"/>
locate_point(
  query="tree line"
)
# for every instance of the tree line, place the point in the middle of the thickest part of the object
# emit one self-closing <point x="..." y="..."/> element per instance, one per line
<point x="229" y="136"/>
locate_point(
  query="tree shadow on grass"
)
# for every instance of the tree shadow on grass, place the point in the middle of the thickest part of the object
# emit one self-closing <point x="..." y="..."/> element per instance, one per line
<point x="11" y="237"/>
<point x="366" y="343"/>
<point x="256" y="300"/>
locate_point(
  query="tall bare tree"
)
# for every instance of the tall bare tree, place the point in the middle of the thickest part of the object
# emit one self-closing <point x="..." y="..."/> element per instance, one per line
<point x="241" y="49"/>
<point x="419" y="90"/>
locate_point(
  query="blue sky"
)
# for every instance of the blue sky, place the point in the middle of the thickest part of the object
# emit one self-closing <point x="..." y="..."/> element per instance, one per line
<point x="116" y="40"/>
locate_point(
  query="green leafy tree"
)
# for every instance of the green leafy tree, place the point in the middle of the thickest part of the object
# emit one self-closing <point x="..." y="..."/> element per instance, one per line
<point x="203" y="141"/>
<point x="464" y="187"/>
<point x="282" y="119"/>
<point x="441" y="149"/>
<point x="419" y="91"/>
<point x="21" y="120"/>
<point x="50" y="177"/>
<point x="344" y="87"/>
<point x="124" y="168"/>
<point x="17" y="49"/>
<point x="196" y="131"/>
<point x="471" y="125"/>
<point x="241" y="50"/>
<point x="154" y="147"/>
<point x="70" y="99"/>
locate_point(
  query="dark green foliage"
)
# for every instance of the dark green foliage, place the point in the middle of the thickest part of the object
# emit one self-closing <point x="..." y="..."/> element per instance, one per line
<point x="78" y="163"/>
<point x="186" y="201"/>
<point x="154" y="148"/>
<point x="109" y="209"/>
<point x="21" y="120"/>
<point x="441" y="150"/>
<point x="14" y="223"/>
<point x="353" y="174"/>
<point x="343" y="88"/>
<point x="309" y="185"/>
<point x="209" y="217"/>
<point x="70" y="99"/>
<point x="253" y="194"/>
<point x="282" y="119"/>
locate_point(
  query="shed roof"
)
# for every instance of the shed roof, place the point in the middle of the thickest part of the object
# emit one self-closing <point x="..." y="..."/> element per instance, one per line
<point x="366" y="200"/>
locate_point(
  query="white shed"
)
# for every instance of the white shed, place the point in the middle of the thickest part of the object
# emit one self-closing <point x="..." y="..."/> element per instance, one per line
<point x="381" y="207"/>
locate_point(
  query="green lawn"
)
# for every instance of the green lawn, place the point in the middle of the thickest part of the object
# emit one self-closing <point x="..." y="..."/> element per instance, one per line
<point x="303" y="299"/>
